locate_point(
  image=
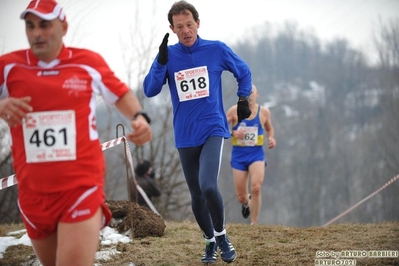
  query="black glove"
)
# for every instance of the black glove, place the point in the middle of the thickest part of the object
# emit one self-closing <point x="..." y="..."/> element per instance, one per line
<point x="163" y="50"/>
<point x="243" y="110"/>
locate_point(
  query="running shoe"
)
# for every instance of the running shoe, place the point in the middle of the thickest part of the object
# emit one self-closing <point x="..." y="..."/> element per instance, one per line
<point x="245" y="211"/>
<point x="210" y="252"/>
<point x="227" y="251"/>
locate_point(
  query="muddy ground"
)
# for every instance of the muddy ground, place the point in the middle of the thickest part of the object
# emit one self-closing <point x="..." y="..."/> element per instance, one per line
<point x="127" y="215"/>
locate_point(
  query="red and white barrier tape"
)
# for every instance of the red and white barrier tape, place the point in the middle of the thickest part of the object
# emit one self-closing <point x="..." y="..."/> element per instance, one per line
<point x="11" y="180"/>
<point x="8" y="181"/>
<point x="363" y="200"/>
<point x="139" y="189"/>
<point x="113" y="143"/>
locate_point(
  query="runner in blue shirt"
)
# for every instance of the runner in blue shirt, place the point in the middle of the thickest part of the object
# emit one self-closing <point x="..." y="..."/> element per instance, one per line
<point x="193" y="69"/>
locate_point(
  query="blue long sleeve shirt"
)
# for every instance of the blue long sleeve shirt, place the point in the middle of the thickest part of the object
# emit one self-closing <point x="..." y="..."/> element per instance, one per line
<point x="200" y="66"/>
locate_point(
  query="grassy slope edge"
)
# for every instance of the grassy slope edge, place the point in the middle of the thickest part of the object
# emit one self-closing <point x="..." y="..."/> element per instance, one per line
<point x="182" y="244"/>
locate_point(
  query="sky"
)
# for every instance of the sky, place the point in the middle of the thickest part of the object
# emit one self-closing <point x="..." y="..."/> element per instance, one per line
<point x="108" y="236"/>
<point x="108" y="26"/>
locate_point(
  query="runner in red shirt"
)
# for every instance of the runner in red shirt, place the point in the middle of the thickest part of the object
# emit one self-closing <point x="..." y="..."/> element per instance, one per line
<point x="48" y="98"/>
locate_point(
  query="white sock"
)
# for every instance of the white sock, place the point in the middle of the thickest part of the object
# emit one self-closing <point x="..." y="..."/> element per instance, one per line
<point x="220" y="233"/>
<point x="210" y="239"/>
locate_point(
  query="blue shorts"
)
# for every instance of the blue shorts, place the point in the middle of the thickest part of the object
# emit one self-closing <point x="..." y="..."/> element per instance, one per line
<point x="243" y="157"/>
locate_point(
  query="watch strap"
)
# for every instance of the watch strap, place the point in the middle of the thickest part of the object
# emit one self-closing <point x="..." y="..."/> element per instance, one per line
<point x="144" y="115"/>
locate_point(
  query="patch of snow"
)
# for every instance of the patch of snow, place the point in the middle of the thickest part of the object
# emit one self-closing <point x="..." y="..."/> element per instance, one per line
<point x="7" y="241"/>
<point x="107" y="237"/>
<point x="106" y="254"/>
<point x="110" y="236"/>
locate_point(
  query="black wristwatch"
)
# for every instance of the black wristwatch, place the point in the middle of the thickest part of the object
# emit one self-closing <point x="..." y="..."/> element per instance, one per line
<point x="243" y="98"/>
<point x="144" y="115"/>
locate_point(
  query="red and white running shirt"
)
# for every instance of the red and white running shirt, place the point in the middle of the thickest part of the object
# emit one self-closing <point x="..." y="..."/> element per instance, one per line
<point x="57" y="148"/>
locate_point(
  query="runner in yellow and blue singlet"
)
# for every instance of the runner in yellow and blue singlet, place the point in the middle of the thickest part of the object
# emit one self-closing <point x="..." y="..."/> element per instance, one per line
<point x="250" y="149"/>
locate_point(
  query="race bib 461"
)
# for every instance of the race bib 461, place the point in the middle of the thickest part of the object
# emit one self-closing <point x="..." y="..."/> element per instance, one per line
<point x="50" y="136"/>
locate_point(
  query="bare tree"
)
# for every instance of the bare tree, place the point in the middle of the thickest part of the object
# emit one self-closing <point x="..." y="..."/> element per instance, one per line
<point x="9" y="211"/>
<point x="384" y="137"/>
<point x="386" y="41"/>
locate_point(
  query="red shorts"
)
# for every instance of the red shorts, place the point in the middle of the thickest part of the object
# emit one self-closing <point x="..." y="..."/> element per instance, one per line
<point x="41" y="212"/>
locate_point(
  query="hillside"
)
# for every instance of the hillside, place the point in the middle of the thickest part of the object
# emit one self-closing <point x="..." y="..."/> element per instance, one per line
<point x="182" y="244"/>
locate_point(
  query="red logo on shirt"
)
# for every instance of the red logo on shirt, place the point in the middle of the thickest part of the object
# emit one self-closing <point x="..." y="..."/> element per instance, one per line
<point x="30" y="122"/>
<point x="180" y="76"/>
<point x="94" y="123"/>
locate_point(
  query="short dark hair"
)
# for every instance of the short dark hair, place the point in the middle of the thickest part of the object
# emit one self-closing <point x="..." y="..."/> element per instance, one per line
<point x="142" y="168"/>
<point x="180" y="7"/>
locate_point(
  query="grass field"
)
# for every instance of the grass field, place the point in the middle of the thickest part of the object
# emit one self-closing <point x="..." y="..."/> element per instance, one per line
<point x="182" y="244"/>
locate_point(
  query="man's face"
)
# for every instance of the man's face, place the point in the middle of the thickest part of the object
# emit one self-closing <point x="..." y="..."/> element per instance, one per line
<point x="254" y="95"/>
<point x="185" y="28"/>
<point x="44" y="36"/>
